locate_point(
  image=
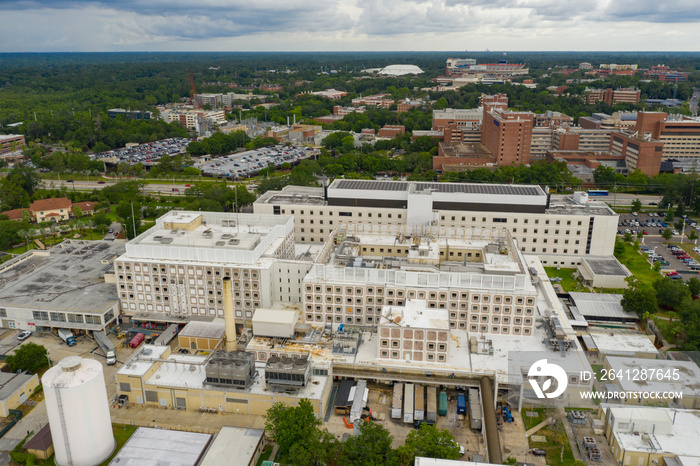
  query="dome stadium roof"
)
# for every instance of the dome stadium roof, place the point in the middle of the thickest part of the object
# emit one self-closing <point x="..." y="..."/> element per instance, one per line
<point x="400" y="70"/>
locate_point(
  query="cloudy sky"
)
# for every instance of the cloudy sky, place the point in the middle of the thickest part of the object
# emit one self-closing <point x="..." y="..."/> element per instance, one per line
<point x="346" y="25"/>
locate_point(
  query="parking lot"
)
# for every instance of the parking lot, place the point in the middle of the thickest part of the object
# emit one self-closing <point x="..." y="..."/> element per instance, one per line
<point x="146" y="153"/>
<point x="656" y="247"/>
<point x="249" y="163"/>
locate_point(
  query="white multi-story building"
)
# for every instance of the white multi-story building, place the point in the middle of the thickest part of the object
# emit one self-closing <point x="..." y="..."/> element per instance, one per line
<point x="558" y="229"/>
<point x="175" y="269"/>
<point x="477" y="275"/>
<point x="70" y="286"/>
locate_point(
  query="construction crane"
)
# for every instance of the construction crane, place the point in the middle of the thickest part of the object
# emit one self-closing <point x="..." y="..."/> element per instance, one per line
<point x="193" y="93"/>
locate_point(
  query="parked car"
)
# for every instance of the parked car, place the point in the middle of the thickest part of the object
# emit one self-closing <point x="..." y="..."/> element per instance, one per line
<point x="24" y="335"/>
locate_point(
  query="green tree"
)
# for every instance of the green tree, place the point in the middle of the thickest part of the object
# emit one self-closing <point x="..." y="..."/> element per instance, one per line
<point x="441" y="104"/>
<point x="25" y="234"/>
<point x="670" y="215"/>
<point x="619" y="247"/>
<point x="319" y="448"/>
<point x="636" y="205"/>
<point x="26" y="216"/>
<point x="130" y="215"/>
<point x="671" y="293"/>
<point x="692" y="236"/>
<point x="77" y="211"/>
<point x="429" y="442"/>
<point x="667" y="234"/>
<point x="372" y="446"/>
<point x="191" y="172"/>
<point x="296" y="427"/>
<point x="639" y="300"/>
<point x="29" y="357"/>
<point x="90" y="224"/>
<point x="694" y="286"/>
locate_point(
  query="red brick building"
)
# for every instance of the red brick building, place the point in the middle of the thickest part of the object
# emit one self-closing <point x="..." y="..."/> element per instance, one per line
<point x="11" y="142"/>
<point x="507" y="135"/>
<point x="613" y="96"/>
<point x="457" y="156"/>
<point x="643" y="154"/>
<point x="391" y="131"/>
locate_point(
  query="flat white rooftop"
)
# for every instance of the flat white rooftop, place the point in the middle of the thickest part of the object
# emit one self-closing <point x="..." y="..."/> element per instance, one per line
<point x="687" y="380"/>
<point x="616" y="343"/>
<point x="682" y="439"/>
<point x="233" y="443"/>
<point x="416" y="314"/>
<point x="69" y="277"/>
<point x="184" y="371"/>
<point x="161" y="447"/>
<point x="142" y="360"/>
<point x="210" y="237"/>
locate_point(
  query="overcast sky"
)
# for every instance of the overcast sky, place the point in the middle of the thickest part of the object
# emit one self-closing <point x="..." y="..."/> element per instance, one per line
<point x="346" y="25"/>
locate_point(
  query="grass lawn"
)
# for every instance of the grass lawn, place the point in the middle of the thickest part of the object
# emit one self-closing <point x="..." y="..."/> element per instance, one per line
<point x="568" y="282"/>
<point x="668" y="329"/>
<point x="637" y="263"/>
<point x="122" y="433"/>
<point x="554" y="449"/>
<point x="265" y="455"/>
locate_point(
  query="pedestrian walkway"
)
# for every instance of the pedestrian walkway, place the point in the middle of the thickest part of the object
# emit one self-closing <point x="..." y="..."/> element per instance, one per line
<point x="192" y="421"/>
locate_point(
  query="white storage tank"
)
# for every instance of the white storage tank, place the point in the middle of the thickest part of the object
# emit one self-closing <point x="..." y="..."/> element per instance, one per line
<point x="76" y="403"/>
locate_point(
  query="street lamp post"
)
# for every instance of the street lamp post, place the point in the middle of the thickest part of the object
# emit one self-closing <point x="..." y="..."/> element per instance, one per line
<point x="683" y="229"/>
<point x="49" y="359"/>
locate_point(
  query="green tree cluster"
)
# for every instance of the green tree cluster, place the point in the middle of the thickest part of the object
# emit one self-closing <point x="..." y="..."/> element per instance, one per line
<point x="554" y="174"/>
<point x="218" y="143"/>
<point x="29" y="357"/>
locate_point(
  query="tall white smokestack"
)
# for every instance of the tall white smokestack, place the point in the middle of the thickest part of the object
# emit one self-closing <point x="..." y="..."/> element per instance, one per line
<point x="229" y="316"/>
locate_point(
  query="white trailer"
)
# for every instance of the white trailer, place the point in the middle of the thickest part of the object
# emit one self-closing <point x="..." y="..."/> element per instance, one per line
<point x="419" y="411"/>
<point x="106" y="346"/>
<point x="397" y="401"/>
<point x="166" y="336"/>
<point x="408" y="405"/>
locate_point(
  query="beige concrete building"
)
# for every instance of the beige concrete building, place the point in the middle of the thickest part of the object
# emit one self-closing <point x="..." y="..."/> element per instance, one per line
<point x="15" y="389"/>
<point x="477" y="275"/>
<point x="644" y="436"/>
<point x="176" y="268"/>
<point x="155" y="377"/>
<point x="650" y="377"/>
<point x="558" y="229"/>
<point x="201" y="336"/>
<point x="414" y="332"/>
<point x="70" y="286"/>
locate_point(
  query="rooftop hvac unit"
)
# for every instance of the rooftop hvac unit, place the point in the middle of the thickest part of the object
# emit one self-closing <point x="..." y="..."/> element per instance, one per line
<point x="234" y="369"/>
<point x="287" y="373"/>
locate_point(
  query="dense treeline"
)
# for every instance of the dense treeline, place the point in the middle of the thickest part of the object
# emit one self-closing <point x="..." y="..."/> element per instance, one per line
<point x="554" y="174"/>
<point x="99" y="133"/>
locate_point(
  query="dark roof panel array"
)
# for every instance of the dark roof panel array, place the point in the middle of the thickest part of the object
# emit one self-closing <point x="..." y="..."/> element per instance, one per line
<point x="470" y="188"/>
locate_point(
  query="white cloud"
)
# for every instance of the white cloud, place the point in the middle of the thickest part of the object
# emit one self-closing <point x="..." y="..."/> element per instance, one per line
<point x="42" y="25"/>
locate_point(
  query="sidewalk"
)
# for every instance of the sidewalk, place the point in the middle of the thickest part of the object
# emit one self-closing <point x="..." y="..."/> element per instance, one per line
<point x="192" y="421"/>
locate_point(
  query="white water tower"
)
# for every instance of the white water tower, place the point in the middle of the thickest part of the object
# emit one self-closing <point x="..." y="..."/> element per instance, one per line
<point x="76" y="403"/>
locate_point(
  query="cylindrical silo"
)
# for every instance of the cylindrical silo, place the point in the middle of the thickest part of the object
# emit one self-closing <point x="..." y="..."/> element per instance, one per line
<point x="76" y="403"/>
